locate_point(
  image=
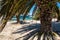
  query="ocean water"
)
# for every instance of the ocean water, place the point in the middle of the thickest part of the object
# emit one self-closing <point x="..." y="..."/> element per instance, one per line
<point x="21" y="18"/>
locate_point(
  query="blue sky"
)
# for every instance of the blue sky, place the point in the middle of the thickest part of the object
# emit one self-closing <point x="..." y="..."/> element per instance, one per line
<point x="31" y="11"/>
<point x="58" y="4"/>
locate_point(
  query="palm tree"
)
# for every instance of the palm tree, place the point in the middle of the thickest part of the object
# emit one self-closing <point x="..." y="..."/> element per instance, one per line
<point x="11" y="7"/>
<point x="36" y="14"/>
<point x="46" y="9"/>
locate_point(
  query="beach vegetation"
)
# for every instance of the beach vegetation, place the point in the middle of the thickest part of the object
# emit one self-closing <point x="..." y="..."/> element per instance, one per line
<point x="12" y="8"/>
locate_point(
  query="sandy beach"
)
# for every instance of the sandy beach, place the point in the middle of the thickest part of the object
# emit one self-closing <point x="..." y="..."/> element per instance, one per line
<point x="13" y="31"/>
<point x="7" y="33"/>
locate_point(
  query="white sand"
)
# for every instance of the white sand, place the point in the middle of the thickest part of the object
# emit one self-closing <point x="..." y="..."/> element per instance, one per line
<point x="6" y="34"/>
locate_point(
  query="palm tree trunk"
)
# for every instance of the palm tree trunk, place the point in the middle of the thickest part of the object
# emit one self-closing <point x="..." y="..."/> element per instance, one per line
<point x="18" y="17"/>
<point x="46" y="22"/>
<point x="46" y="28"/>
<point x="58" y="13"/>
<point x="4" y="22"/>
<point x="58" y="19"/>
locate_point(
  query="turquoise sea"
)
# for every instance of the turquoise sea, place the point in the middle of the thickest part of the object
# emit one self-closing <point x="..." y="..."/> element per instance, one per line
<point x="21" y="18"/>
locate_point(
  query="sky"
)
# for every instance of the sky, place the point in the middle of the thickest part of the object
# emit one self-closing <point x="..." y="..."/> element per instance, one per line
<point x="31" y="11"/>
<point x="58" y="4"/>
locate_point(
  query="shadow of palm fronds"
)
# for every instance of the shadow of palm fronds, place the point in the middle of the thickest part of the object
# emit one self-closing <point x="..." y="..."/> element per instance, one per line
<point x="56" y="27"/>
<point x="21" y="22"/>
<point x="31" y="30"/>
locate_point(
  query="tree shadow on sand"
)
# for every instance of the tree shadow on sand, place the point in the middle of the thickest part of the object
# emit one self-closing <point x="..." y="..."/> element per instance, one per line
<point x="33" y="30"/>
<point x="21" y="22"/>
<point x="56" y="27"/>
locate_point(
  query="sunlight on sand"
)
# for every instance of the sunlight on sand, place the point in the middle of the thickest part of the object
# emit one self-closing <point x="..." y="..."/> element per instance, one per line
<point x="7" y="33"/>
